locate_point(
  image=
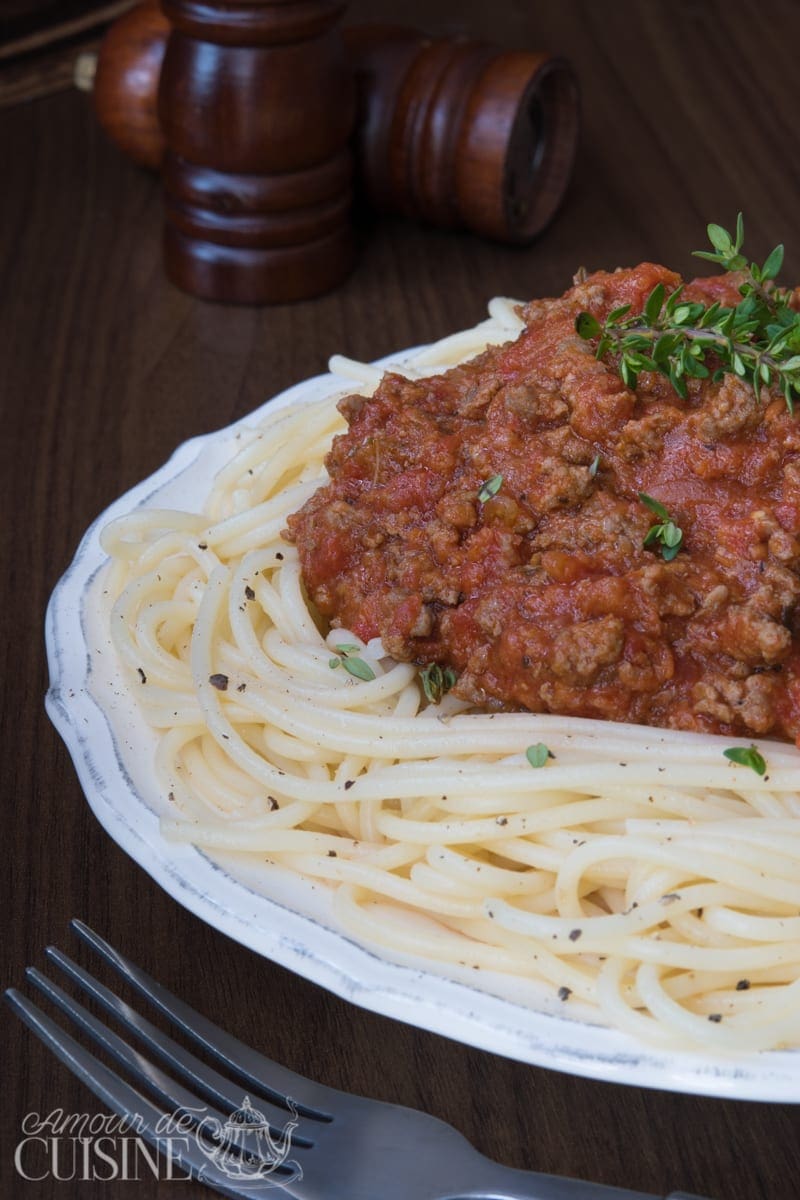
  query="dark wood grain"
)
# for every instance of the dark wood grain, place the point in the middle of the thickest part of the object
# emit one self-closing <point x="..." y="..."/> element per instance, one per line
<point x="689" y="115"/>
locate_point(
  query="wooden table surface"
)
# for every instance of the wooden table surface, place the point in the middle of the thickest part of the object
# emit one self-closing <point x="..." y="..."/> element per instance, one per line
<point x="690" y="114"/>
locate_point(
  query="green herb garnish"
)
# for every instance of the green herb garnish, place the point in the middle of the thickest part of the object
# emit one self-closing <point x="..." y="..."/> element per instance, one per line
<point x="538" y="755"/>
<point x="758" y="340"/>
<point x="665" y="532"/>
<point x="348" y="658"/>
<point x="437" y="681"/>
<point x="747" y="756"/>
<point x="490" y="488"/>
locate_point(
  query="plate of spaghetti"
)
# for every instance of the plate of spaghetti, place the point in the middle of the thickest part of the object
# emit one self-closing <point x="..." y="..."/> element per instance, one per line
<point x="467" y="685"/>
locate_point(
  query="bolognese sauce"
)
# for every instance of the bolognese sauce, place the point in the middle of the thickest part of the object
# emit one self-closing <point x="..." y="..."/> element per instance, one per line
<point x="490" y="519"/>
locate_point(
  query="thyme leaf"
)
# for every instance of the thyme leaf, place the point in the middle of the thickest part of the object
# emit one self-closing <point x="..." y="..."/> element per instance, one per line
<point x="747" y="756"/>
<point x="358" y="668"/>
<point x="538" y="754"/>
<point x="490" y="488"/>
<point x="437" y="681"/>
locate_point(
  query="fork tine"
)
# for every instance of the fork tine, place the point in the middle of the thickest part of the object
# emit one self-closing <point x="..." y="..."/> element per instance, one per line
<point x="128" y="1103"/>
<point x="223" y="1092"/>
<point x="259" y="1072"/>
<point x="169" y="1092"/>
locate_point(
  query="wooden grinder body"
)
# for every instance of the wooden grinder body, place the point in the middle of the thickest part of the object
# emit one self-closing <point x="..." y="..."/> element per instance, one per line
<point x="125" y="82"/>
<point x="460" y="133"/>
<point x="256" y="104"/>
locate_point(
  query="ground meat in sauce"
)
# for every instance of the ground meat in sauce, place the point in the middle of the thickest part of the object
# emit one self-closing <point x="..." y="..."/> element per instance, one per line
<point x="543" y="596"/>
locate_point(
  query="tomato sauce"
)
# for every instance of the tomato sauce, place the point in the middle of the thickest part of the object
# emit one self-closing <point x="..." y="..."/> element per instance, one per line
<point x="543" y="595"/>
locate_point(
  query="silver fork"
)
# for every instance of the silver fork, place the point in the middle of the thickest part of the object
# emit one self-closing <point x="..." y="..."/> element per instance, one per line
<point x="236" y="1129"/>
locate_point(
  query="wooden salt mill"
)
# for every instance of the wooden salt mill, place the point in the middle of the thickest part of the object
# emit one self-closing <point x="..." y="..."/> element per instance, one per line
<point x="124" y="79"/>
<point x="256" y="104"/>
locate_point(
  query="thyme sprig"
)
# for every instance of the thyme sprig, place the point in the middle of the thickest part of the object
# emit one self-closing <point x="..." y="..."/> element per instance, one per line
<point x="758" y="340"/>
<point x="665" y="532"/>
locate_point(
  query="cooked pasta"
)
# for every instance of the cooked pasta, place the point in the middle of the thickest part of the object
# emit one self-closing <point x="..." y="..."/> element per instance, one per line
<point x="638" y="871"/>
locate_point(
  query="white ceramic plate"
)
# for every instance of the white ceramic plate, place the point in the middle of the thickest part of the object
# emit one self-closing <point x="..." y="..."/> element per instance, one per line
<point x="287" y="920"/>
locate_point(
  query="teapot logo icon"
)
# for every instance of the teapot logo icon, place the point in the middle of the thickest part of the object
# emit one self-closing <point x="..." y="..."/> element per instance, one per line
<point x="247" y="1148"/>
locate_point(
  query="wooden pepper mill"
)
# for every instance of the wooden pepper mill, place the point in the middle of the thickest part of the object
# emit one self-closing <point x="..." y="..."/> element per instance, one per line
<point x="462" y="134"/>
<point x="256" y="103"/>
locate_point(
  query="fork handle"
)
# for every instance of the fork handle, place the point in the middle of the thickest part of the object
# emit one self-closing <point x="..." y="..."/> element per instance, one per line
<point x="552" y="1187"/>
<point x="495" y="1181"/>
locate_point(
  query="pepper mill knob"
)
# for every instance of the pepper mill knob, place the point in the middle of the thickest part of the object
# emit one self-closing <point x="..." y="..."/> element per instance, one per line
<point x="460" y="133"/>
<point x="256" y="103"/>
